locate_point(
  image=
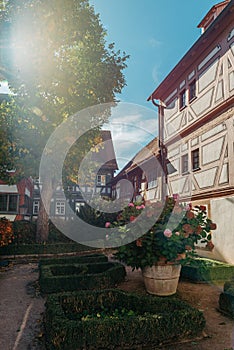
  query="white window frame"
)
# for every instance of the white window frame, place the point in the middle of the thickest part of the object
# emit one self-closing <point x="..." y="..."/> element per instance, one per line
<point x="36" y="206"/>
<point x="101" y="180"/>
<point x="152" y="179"/>
<point x="60" y="208"/>
<point x="8" y="196"/>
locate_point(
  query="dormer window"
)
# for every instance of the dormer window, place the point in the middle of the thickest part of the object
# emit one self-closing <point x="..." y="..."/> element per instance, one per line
<point x="183" y="99"/>
<point x="211" y="15"/>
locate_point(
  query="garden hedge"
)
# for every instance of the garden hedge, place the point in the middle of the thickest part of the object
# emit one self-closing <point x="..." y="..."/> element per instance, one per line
<point x="148" y="320"/>
<point x="207" y="270"/>
<point x="48" y="248"/>
<point x="74" y="259"/>
<point x="226" y="298"/>
<point x="69" y="277"/>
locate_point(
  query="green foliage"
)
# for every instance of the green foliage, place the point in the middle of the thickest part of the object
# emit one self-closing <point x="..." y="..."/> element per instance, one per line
<point x="57" y="62"/>
<point x="97" y="217"/>
<point x="226" y="298"/>
<point x="206" y="270"/>
<point x="58" y="278"/>
<point x="91" y="258"/>
<point x="55" y="236"/>
<point x="173" y="237"/>
<point x="24" y="232"/>
<point x="152" y="320"/>
<point x="48" y="248"/>
<point x="6" y="232"/>
<point x="226" y="302"/>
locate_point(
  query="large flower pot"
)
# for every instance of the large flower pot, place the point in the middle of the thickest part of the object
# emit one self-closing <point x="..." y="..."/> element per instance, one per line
<point x="161" y="279"/>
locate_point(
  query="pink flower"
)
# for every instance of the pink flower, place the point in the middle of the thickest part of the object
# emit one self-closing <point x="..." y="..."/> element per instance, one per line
<point x="176" y="196"/>
<point x="177" y="233"/>
<point x="130" y="204"/>
<point x="167" y="233"/>
<point x="188" y="207"/>
<point x="107" y="224"/>
<point x="138" y="207"/>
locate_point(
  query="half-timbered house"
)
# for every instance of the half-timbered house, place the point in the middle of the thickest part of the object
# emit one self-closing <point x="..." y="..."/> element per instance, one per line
<point x="196" y="124"/>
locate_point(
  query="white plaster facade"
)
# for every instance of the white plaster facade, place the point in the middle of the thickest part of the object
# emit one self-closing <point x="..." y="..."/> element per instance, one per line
<point x="196" y="123"/>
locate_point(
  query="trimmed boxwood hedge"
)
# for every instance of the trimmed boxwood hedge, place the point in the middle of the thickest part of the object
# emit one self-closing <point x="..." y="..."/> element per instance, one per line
<point x="226" y="298"/>
<point x="153" y="320"/>
<point x="48" y="248"/>
<point x="74" y="259"/>
<point x="69" y="277"/>
<point x="207" y="270"/>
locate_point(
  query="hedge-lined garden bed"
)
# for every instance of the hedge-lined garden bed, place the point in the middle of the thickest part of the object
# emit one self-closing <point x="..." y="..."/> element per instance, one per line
<point x="70" y="277"/>
<point x="48" y="248"/>
<point x="226" y="298"/>
<point x="202" y="270"/>
<point x="91" y="258"/>
<point x="112" y="318"/>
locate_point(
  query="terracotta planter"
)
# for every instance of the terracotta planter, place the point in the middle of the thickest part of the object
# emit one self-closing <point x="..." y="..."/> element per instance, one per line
<point x="161" y="279"/>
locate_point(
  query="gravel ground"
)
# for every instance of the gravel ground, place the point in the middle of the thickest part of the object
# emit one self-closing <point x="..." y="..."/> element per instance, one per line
<point x="21" y="310"/>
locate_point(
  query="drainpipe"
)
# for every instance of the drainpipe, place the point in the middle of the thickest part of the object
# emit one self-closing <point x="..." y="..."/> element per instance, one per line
<point x="162" y="148"/>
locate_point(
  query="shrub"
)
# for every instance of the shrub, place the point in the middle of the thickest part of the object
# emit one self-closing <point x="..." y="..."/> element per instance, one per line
<point x="145" y="320"/>
<point x="226" y="299"/>
<point x="207" y="270"/>
<point x="74" y="259"/>
<point x="172" y="237"/>
<point x="48" y="248"/>
<point x="58" y="278"/>
<point x="24" y="232"/>
<point x="96" y="217"/>
<point x="56" y="236"/>
<point x="6" y="232"/>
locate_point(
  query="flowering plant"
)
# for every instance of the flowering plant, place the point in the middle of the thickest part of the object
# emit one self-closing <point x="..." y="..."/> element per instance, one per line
<point x="6" y="232"/>
<point x="172" y="237"/>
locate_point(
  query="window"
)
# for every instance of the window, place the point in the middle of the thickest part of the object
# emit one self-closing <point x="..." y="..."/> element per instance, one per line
<point x="78" y="206"/>
<point x="195" y="159"/>
<point x="183" y="99"/>
<point x="192" y="90"/>
<point x="9" y="203"/>
<point x="60" y="208"/>
<point x="135" y="183"/>
<point x="101" y="180"/>
<point x="36" y="207"/>
<point x="152" y="179"/>
<point x="184" y="163"/>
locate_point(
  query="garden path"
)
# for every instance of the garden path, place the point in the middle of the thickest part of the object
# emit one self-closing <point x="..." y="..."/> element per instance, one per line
<point x="21" y="309"/>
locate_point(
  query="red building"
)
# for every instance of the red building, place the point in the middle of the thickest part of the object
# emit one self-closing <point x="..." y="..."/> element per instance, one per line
<point x="16" y="200"/>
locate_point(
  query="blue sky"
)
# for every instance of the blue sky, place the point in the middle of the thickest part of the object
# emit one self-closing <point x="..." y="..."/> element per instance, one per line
<point x="156" y="34"/>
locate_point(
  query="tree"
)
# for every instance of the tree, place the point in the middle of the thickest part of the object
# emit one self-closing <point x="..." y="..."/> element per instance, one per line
<point x="56" y="60"/>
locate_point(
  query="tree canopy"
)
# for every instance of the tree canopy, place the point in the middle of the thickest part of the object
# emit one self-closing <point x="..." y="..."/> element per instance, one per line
<point x="57" y="62"/>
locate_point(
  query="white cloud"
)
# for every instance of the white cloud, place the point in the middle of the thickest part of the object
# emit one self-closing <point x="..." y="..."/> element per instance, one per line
<point x="132" y="127"/>
<point x="156" y="74"/>
<point x="154" y="42"/>
<point x="4" y="88"/>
